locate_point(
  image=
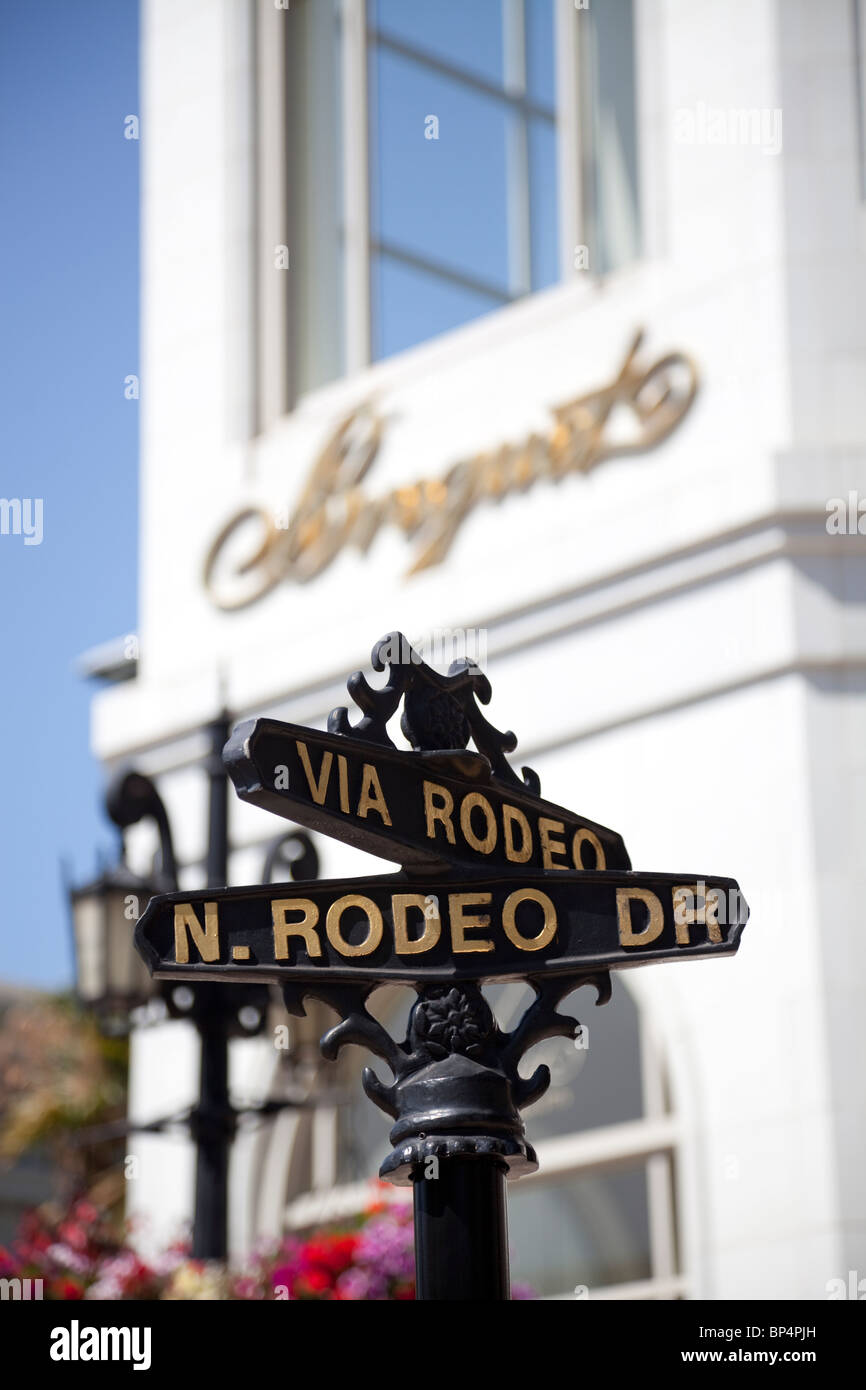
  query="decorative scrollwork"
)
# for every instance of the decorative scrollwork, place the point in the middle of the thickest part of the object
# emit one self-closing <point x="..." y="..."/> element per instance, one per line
<point x="440" y="713"/>
<point x="456" y="1088"/>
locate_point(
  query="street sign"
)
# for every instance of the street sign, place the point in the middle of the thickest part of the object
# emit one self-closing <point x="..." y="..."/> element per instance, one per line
<point x="495" y="884"/>
<point x="421" y="809"/>
<point x="392" y="929"/>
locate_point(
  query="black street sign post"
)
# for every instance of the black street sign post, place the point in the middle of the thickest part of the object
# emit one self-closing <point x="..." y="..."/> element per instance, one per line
<point x="495" y="883"/>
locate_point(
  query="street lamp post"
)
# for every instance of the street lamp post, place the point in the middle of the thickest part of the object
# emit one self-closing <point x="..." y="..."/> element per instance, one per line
<point x="112" y="980"/>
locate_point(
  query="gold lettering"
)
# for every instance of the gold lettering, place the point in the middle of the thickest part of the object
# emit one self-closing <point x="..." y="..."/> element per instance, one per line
<point x="461" y="922"/>
<point x="509" y="919"/>
<point x="306" y="927"/>
<point x="342" y="773"/>
<point x="693" y="908"/>
<point x="318" y="790"/>
<point x="464" y="485"/>
<point x="372" y="796"/>
<point x="582" y="837"/>
<point x="627" y="935"/>
<point x="442" y="813"/>
<point x="332" y="511"/>
<point x="403" y="944"/>
<point x="511" y="816"/>
<point x="374" y="920"/>
<point x="529" y="463"/>
<point x="562" y="443"/>
<point x="549" y="845"/>
<point x="332" y="504"/>
<point x="495" y="474"/>
<point x="264" y="561"/>
<point x="206" y="938"/>
<point x="485" y="845"/>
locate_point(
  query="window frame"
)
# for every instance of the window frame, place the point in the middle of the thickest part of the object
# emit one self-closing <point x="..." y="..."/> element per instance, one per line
<point x="276" y="392"/>
<point x="358" y="34"/>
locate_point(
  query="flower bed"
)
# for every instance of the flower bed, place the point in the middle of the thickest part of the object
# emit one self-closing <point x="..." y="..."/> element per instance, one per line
<point x="78" y="1255"/>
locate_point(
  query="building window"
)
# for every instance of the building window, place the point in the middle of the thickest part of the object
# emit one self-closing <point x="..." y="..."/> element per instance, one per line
<point x="439" y="162"/>
<point x="598" y="1219"/>
<point x="462" y="156"/>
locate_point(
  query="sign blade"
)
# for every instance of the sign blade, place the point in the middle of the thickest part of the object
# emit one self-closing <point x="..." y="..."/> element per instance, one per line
<point x="391" y="929"/>
<point x="425" y="811"/>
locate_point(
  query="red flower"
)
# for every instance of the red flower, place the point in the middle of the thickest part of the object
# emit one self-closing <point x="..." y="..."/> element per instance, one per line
<point x="332" y="1254"/>
<point x="66" y="1289"/>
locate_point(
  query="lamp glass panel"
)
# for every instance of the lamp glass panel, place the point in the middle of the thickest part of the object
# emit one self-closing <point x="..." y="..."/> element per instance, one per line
<point x="127" y="975"/>
<point x="89" y="920"/>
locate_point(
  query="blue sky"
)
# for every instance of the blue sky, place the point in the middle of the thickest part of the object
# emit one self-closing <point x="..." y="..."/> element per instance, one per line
<point x="69" y="268"/>
<point x="69" y="325"/>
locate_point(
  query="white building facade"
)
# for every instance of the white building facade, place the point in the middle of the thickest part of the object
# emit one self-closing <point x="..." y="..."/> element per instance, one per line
<point x="675" y="633"/>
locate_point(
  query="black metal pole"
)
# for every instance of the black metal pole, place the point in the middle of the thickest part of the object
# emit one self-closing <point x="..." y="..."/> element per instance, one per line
<point x="212" y="1124"/>
<point x="461" y="1232"/>
<point x="218" y="805"/>
<point x="213" y="1121"/>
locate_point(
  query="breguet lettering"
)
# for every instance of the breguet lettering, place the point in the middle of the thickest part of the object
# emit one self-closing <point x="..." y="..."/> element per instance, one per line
<point x="334" y="510"/>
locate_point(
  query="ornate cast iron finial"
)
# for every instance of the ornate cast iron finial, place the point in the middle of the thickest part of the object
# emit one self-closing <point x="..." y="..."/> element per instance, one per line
<point x="440" y="713"/>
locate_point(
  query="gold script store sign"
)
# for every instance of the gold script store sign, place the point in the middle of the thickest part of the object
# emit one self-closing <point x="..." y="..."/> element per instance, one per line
<point x="256" y="550"/>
